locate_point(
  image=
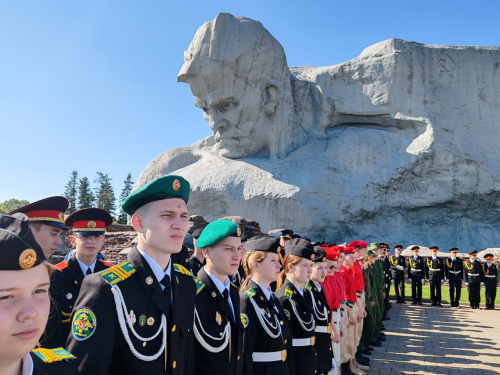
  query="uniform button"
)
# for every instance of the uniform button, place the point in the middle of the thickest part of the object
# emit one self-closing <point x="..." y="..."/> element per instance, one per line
<point x="144" y="344"/>
<point x="238" y="358"/>
<point x="330" y="349"/>
<point x="173" y="328"/>
<point x="285" y="341"/>
<point x="316" y="354"/>
<point x="281" y="322"/>
<point x="174" y="364"/>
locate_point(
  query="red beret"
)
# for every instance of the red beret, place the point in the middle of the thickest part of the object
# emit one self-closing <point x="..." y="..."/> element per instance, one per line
<point x="354" y="243"/>
<point x="349" y="250"/>
<point x="331" y="253"/>
<point x="363" y="244"/>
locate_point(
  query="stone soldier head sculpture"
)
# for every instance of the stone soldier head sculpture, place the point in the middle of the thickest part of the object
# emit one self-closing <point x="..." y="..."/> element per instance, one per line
<point x="238" y="74"/>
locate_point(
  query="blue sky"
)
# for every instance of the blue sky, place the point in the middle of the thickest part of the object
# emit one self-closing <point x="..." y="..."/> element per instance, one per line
<point x="91" y="85"/>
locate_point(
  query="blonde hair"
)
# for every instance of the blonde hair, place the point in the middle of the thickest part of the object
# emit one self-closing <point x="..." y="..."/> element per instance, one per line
<point x="249" y="258"/>
<point x="289" y="259"/>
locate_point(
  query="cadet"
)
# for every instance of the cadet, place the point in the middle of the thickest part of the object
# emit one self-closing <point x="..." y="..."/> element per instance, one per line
<point x="25" y="303"/>
<point x="267" y="337"/>
<point x="398" y="265"/>
<point x="473" y="279"/>
<point x="137" y="317"/>
<point x="322" y="313"/>
<point x="387" y="279"/>
<point x="46" y="219"/>
<point x="89" y="225"/>
<point x="297" y="304"/>
<point x="416" y="275"/>
<point x="490" y="281"/>
<point x="434" y="271"/>
<point x="218" y="328"/>
<point x="371" y="301"/>
<point x="197" y="260"/>
<point x="454" y="268"/>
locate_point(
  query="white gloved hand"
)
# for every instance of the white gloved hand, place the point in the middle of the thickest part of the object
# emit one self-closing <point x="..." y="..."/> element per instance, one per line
<point x="482" y="283"/>
<point x="447" y="280"/>
<point x="401" y="268"/>
<point x="466" y="283"/>
<point x="409" y="280"/>
<point x="422" y="280"/>
<point x="386" y="285"/>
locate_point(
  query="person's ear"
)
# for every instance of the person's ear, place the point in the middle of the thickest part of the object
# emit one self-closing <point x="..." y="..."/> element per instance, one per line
<point x="272" y="93"/>
<point x="206" y="252"/>
<point x="137" y="222"/>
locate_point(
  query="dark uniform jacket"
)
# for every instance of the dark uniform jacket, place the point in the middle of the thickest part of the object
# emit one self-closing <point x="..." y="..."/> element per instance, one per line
<point x="394" y="263"/>
<point x="416" y="269"/>
<point x="195" y="265"/>
<point x="43" y="367"/>
<point x="304" y="356"/>
<point x="97" y="339"/>
<point x="213" y="314"/>
<point x="454" y="270"/>
<point x="257" y="339"/>
<point x="434" y="269"/>
<point x="182" y="257"/>
<point x="323" y="319"/>
<point x="489" y="274"/>
<point x="65" y="284"/>
<point x="473" y="272"/>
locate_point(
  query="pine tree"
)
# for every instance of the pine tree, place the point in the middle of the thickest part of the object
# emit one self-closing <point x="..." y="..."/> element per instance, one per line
<point x="105" y="197"/>
<point x="127" y="189"/>
<point x="85" y="196"/>
<point x="71" y="192"/>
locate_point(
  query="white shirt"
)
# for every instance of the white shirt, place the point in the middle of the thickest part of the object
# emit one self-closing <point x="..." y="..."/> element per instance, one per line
<point x="267" y="293"/>
<point x="301" y="291"/>
<point x="84" y="267"/>
<point x="221" y="286"/>
<point x="27" y="365"/>
<point x="317" y="286"/>
<point x="158" y="272"/>
<point x="452" y="259"/>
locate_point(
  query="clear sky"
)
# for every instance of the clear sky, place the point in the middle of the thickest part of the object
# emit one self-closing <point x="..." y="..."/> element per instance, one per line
<point x="91" y="85"/>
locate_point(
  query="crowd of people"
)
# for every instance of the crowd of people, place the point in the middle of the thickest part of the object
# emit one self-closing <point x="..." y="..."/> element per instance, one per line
<point x="272" y="303"/>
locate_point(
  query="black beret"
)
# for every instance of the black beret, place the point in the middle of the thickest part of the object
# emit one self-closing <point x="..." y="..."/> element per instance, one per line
<point x="18" y="247"/>
<point x="320" y="255"/>
<point x="300" y="247"/>
<point x="196" y="233"/>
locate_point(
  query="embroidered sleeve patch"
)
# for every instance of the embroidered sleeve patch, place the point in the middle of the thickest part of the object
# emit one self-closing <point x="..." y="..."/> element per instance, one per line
<point x="244" y="320"/>
<point x="53" y="355"/>
<point x="287" y="313"/>
<point x="308" y="287"/>
<point x="181" y="269"/>
<point x="84" y="324"/>
<point x="249" y="293"/>
<point x="199" y="285"/>
<point x="288" y="293"/>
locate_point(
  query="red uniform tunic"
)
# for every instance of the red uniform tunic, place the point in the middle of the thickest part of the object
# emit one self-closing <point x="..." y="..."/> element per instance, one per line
<point x="340" y="284"/>
<point x="359" y="282"/>
<point x="331" y="292"/>
<point x="350" y="288"/>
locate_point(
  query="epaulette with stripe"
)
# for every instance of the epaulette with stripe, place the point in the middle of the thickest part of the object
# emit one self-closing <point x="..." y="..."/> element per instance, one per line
<point x="249" y="293"/>
<point x="288" y="292"/>
<point x="60" y="266"/>
<point x="308" y="287"/>
<point x="181" y="269"/>
<point x="118" y="273"/>
<point x="234" y="285"/>
<point x="53" y="355"/>
<point x="107" y="263"/>
<point x="199" y="285"/>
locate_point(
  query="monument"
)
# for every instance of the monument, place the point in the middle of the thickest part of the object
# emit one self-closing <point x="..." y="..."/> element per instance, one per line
<point x="400" y="144"/>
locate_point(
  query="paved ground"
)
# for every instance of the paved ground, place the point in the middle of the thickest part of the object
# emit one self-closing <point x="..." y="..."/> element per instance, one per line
<point x="430" y="340"/>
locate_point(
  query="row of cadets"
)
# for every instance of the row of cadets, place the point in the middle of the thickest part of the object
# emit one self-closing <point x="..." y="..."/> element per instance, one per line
<point x="218" y="328"/>
<point x="398" y="265"/>
<point x="434" y="272"/>
<point x="473" y="279"/>
<point x="371" y="305"/>
<point x="416" y="273"/>
<point x="137" y="317"/>
<point x="490" y="275"/>
<point x="454" y="273"/>
<point x="267" y="337"/>
<point x="387" y="278"/>
<point x="25" y="303"/>
<point x="321" y="312"/>
<point x="297" y="304"/>
<point x="89" y="226"/>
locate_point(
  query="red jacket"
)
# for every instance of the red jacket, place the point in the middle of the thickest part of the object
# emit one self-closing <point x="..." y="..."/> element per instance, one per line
<point x="350" y="288"/>
<point x="359" y="282"/>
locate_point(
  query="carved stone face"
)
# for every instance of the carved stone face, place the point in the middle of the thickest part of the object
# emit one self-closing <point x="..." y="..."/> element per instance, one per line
<point x="234" y="112"/>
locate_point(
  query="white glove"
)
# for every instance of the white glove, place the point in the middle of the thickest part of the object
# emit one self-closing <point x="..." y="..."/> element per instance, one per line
<point x="422" y="280"/>
<point x="466" y="283"/>
<point x="447" y="280"/>
<point x="386" y="285"/>
<point x="482" y="283"/>
<point x="401" y="268"/>
<point x="410" y="280"/>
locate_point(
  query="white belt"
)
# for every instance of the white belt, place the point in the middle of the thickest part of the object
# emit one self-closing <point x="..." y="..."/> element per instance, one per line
<point x="455" y="272"/>
<point x="303" y="342"/>
<point x="267" y="356"/>
<point x="434" y="269"/>
<point x="322" y="329"/>
<point x="489" y="276"/>
<point x="473" y="274"/>
<point x="416" y="269"/>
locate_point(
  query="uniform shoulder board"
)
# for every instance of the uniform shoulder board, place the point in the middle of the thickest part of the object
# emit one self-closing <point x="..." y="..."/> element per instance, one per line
<point x="308" y="287"/>
<point x="199" y="285"/>
<point x="107" y="263"/>
<point x="288" y="292"/>
<point x="249" y="293"/>
<point x="366" y="266"/>
<point x="60" y="266"/>
<point x="118" y="273"/>
<point x="53" y="355"/>
<point x="234" y="285"/>
<point x="182" y="269"/>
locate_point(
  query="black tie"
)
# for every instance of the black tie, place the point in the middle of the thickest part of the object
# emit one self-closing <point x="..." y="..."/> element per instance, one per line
<point x="167" y="292"/>
<point x="225" y="294"/>
<point x="89" y="271"/>
<point x="271" y="301"/>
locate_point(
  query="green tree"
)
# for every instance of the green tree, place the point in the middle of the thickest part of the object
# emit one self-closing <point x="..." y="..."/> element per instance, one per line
<point x="85" y="196"/>
<point x="105" y="197"/>
<point x="71" y="192"/>
<point x="12" y="204"/>
<point x="127" y="189"/>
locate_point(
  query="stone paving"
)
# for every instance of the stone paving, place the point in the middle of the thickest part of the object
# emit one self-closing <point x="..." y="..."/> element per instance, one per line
<point x="433" y="340"/>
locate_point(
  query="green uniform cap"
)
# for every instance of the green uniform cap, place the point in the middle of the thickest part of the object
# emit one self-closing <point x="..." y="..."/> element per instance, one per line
<point x="370" y="252"/>
<point x="216" y="231"/>
<point x="170" y="186"/>
<point x="373" y="246"/>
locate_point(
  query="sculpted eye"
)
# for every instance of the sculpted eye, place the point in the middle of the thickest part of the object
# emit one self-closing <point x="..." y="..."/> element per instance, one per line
<point x="226" y="105"/>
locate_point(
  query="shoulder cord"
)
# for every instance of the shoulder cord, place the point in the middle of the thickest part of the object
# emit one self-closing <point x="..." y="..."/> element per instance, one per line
<point x="430" y="265"/>
<point x="486" y="272"/>
<point x="469" y="268"/>
<point x="319" y="315"/>
<point x="119" y="302"/>
<point x="448" y="264"/>
<point x="261" y="317"/>
<point x="412" y="265"/>
<point x="394" y="262"/>
<point x="226" y="336"/>
<point x="301" y="322"/>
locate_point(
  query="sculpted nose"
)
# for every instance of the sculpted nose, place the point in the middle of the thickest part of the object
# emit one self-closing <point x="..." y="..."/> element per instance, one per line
<point x="216" y="122"/>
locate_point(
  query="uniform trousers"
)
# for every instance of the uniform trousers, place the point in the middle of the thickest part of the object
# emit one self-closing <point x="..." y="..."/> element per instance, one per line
<point x="368" y="326"/>
<point x="435" y="291"/>
<point x="350" y="347"/>
<point x="359" y="325"/>
<point x="491" y="293"/>
<point x="416" y="289"/>
<point x="336" y="317"/>
<point x="474" y="294"/>
<point x="343" y="327"/>
<point x="455" y="291"/>
<point x="399" y="289"/>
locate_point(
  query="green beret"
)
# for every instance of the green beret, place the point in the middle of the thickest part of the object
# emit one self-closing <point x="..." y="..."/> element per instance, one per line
<point x="170" y="186"/>
<point x="370" y="252"/>
<point x="215" y="232"/>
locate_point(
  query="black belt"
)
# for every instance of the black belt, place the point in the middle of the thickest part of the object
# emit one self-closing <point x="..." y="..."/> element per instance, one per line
<point x="335" y="309"/>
